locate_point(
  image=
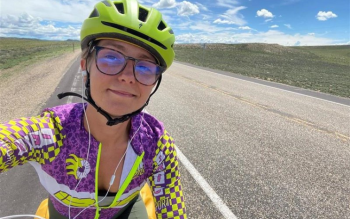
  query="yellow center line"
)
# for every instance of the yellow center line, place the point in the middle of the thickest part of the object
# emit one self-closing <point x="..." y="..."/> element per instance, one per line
<point x="340" y="136"/>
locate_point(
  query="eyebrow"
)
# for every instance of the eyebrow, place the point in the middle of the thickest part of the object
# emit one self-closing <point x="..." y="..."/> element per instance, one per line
<point x="122" y="48"/>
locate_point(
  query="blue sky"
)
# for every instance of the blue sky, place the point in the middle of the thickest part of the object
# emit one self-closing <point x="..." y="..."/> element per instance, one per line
<point x="285" y="22"/>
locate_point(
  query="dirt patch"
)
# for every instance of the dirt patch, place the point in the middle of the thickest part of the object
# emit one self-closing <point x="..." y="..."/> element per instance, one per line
<point x="23" y="92"/>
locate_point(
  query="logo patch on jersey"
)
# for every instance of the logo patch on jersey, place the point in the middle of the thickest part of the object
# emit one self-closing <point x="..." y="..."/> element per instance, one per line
<point x="161" y="167"/>
<point x="158" y="192"/>
<point x="37" y="139"/>
<point x="78" y="167"/>
<point x="42" y="138"/>
<point x="159" y="178"/>
<point x="160" y="157"/>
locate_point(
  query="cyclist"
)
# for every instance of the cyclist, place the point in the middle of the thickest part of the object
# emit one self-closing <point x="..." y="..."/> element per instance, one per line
<point x="94" y="158"/>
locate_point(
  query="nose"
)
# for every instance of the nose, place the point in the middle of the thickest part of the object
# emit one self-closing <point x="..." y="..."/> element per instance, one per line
<point x="127" y="74"/>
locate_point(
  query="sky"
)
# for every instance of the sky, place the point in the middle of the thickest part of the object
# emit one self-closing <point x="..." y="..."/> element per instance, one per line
<point x="284" y="22"/>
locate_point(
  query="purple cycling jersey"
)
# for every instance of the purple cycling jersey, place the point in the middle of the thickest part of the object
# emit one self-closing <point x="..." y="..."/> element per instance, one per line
<point x="56" y="145"/>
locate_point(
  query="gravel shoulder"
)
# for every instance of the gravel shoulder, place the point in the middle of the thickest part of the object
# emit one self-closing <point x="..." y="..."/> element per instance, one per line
<point x="26" y="90"/>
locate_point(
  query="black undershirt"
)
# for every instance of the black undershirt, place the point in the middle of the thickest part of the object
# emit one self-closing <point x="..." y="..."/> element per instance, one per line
<point x="102" y="192"/>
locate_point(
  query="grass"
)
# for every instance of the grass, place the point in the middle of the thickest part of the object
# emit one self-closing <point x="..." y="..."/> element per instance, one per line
<point x="23" y="52"/>
<point x="322" y="68"/>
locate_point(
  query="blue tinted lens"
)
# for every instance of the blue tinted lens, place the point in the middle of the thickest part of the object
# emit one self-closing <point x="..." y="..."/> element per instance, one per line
<point x="109" y="61"/>
<point x="147" y="72"/>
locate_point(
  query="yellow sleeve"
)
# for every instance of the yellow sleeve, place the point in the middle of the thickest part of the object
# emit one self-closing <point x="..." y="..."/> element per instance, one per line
<point x="36" y="138"/>
<point x="165" y="181"/>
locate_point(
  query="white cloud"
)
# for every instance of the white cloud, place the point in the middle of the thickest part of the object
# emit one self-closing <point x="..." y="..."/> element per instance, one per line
<point x="232" y="16"/>
<point x="288" y="26"/>
<point x="323" y="16"/>
<point x="202" y="7"/>
<point x="165" y="4"/>
<point x="271" y="36"/>
<point x="182" y="25"/>
<point x="245" y="28"/>
<point x="54" y="10"/>
<point x="207" y="27"/>
<point x="186" y="8"/>
<point x="202" y="27"/>
<point x="206" y="16"/>
<point x="219" y="21"/>
<point x="264" y="13"/>
<point x="227" y="3"/>
<point x="146" y="2"/>
<point x="274" y="26"/>
<point x="311" y="34"/>
<point x="27" y="25"/>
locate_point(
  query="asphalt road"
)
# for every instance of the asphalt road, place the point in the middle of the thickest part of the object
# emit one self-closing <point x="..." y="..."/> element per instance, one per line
<point x="267" y="150"/>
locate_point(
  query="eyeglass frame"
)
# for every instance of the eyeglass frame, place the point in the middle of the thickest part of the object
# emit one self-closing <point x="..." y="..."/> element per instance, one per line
<point x="126" y="58"/>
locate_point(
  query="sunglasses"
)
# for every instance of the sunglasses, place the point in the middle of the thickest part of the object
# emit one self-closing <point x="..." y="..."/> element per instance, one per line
<point x="112" y="62"/>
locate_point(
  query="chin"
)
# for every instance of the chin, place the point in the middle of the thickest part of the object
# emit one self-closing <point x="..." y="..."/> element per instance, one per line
<point x="119" y="113"/>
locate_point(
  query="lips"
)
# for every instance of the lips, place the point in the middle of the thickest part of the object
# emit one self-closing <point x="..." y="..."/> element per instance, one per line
<point x="122" y="93"/>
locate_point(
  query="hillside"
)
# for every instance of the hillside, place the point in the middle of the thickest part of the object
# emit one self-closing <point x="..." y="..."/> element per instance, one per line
<point x="321" y="68"/>
<point x="21" y="51"/>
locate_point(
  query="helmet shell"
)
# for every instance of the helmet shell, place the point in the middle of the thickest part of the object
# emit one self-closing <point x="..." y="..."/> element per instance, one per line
<point x="129" y="21"/>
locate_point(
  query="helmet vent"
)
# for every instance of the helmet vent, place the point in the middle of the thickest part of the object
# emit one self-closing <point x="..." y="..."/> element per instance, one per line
<point x="120" y="7"/>
<point x="161" y="26"/>
<point x="94" y="13"/>
<point x="143" y="14"/>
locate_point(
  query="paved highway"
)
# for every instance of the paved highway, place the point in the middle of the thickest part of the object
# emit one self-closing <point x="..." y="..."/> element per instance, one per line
<point x="249" y="148"/>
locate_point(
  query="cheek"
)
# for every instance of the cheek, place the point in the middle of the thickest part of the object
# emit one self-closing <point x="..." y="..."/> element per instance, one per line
<point x="97" y="81"/>
<point x="146" y="91"/>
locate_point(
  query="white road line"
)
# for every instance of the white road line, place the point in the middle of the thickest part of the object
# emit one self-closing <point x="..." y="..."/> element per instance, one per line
<point x="74" y="85"/>
<point x="272" y="86"/>
<point x="220" y="205"/>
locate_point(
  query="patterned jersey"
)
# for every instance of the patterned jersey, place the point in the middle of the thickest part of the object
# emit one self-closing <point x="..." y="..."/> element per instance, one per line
<point x="56" y="145"/>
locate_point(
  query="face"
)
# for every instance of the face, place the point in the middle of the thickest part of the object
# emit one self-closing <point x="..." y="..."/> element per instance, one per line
<point x="119" y="94"/>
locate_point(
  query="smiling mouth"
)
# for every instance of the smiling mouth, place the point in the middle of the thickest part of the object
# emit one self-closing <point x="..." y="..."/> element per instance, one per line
<point x="122" y="93"/>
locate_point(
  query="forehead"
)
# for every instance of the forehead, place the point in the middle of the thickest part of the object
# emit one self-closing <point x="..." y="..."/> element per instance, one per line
<point x="127" y="49"/>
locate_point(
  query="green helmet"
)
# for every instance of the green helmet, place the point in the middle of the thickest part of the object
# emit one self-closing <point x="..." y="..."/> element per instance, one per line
<point x="129" y="21"/>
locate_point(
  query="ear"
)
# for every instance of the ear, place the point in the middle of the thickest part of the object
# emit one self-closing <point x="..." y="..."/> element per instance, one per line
<point x="83" y="64"/>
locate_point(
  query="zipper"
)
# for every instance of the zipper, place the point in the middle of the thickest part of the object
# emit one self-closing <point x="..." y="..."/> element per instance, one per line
<point x="98" y="209"/>
<point x="128" y="179"/>
<point x="98" y="212"/>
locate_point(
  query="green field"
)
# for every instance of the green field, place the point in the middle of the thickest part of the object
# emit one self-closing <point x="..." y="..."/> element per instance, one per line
<point x="320" y="68"/>
<point x="22" y="52"/>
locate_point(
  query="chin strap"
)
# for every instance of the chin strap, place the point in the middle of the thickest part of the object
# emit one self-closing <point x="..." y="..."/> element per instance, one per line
<point x="110" y="120"/>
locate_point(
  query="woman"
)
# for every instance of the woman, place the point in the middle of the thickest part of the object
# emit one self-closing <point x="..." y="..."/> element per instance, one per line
<point x="94" y="158"/>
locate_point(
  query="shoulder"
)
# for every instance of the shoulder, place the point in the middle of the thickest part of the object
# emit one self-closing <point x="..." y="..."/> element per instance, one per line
<point x="146" y="125"/>
<point x="148" y="133"/>
<point x="66" y="113"/>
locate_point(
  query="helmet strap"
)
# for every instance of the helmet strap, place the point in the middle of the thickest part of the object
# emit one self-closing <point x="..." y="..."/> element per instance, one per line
<point x="88" y="98"/>
<point x="110" y="120"/>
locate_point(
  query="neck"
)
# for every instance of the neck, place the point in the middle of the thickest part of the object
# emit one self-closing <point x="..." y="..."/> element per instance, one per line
<point x="107" y="135"/>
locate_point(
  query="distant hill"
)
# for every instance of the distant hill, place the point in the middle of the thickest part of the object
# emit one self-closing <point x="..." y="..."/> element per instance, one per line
<point x="320" y="68"/>
<point x="34" y="39"/>
<point x="73" y="40"/>
<point x="15" y="51"/>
